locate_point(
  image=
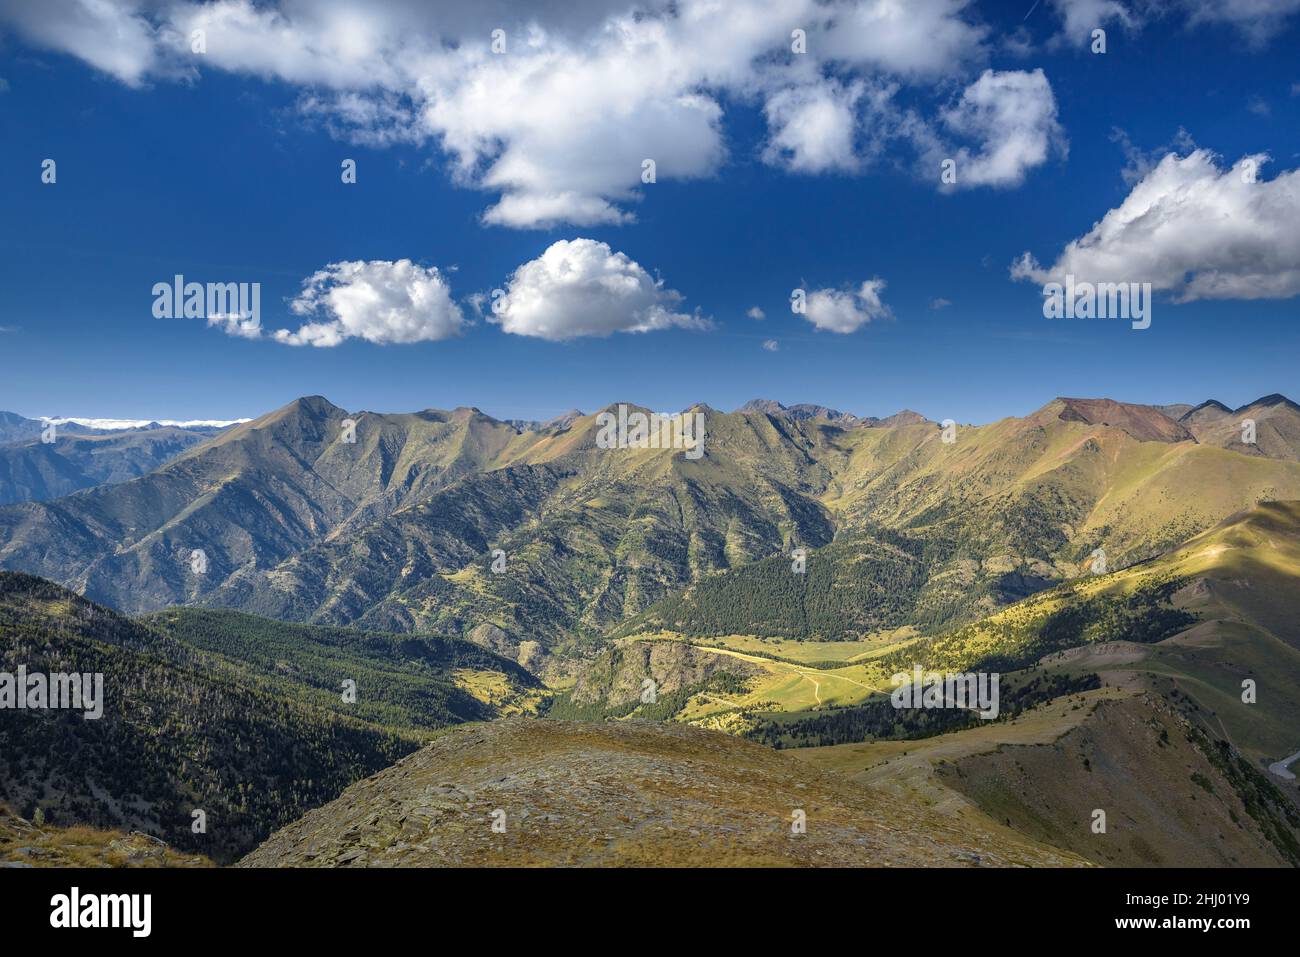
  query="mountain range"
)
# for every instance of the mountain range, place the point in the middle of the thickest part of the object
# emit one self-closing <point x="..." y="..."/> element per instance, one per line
<point x="1124" y="567"/>
<point x="396" y="530"/>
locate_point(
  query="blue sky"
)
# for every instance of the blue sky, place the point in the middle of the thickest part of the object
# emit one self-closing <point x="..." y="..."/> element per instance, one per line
<point x="223" y="172"/>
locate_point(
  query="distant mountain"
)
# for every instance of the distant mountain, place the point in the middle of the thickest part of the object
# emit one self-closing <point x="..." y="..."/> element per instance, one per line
<point x="560" y="422"/>
<point x="249" y="497"/>
<point x="1276" y="424"/>
<point x="799" y="412"/>
<point x="32" y="470"/>
<point x="17" y="428"/>
<point x="1210" y="410"/>
<point x="898" y="419"/>
<point x="1177" y="410"/>
<point x="804" y="411"/>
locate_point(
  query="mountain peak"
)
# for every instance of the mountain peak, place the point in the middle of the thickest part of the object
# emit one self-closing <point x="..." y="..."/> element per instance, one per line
<point x="803" y="410"/>
<point x="314" y="405"/>
<point x="900" y="418"/>
<point x="1267" y="401"/>
<point x="1145" y="423"/>
<point x="768" y="406"/>
<point x="1208" y="412"/>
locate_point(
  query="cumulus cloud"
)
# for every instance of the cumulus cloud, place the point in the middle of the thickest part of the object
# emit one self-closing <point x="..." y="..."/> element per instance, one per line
<point x="1195" y="230"/>
<point x="755" y="313"/>
<point x="557" y="126"/>
<point x="1256" y="20"/>
<point x="1080" y="17"/>
<point x="828" y="125"/>
<point x="581" y="287"/>
<point x="242" y="327"/>
<point x="907" y="37"/>
<point x="771" y="345"/>
<point x="115" y="37"/>
<point x="813" y="127"/>
<point x="378" y="301"/>
<point x="843" y="311"/>
<point x="1012" y="117"/>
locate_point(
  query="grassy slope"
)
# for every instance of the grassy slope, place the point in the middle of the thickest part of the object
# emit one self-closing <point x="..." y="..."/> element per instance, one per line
<point x="627" y="794"/>
<point x="28" y="844"/>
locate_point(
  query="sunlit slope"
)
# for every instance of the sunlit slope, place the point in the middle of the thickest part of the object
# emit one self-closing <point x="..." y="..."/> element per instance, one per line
<point x="1172" y="795"/>
<point x="1192" y="626"/>
<point x="929" y="533"/>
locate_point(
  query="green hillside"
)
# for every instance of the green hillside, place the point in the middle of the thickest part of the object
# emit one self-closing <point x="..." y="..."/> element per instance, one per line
<point x="407" y="682"/>
<point x="240" y="717"/>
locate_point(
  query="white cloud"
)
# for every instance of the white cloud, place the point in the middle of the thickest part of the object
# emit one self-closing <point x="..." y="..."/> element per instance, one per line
<point x="813" y="127"/>
<point x="828" y="126"/>
<point x="378" y="301"/>
<point x="1012" y="116"/>
<point x="1080" y="17"/>
<point x="1258" y="20"/>
<point x="940" y="303"/>
<point x="837" y="310"/>
<point x="755" y="313"/>
<point x="242" y="327"/>
<point x="581" y="287"/>
<point x="544" y="210"/>
<point x="116" y="425"/>
<point x="771" y="345"/>
<point x="115" y="37"/>
<point x="1138" y="162"/>
<point x="1195" y="230"/>
<point x="557" y="127"/>
<point x="904" y="36"/>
